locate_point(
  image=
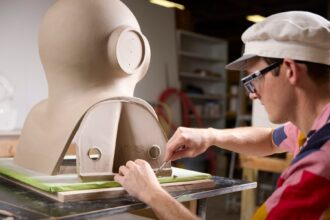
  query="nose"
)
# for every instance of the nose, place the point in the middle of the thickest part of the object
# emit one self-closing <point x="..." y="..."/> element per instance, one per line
<point x="253" y="96"/>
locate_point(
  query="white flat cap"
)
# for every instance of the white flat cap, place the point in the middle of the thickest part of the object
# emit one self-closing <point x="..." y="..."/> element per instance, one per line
<point x="298" y="35"/>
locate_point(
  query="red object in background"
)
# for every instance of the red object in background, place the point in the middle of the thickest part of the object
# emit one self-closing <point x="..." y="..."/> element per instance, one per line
<point x="187" y="106"/>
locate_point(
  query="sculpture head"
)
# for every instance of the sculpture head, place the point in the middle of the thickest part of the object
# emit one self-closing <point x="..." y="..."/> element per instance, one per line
<point x="91" y="51"/>
<point x="85" y="45"/>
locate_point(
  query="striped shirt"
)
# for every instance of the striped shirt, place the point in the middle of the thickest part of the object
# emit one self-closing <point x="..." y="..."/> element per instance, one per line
<point x="303" y="189"/>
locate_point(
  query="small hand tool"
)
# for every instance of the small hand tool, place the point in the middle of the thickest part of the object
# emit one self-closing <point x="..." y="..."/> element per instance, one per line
<point x="161" y="167"/>
<point x="165" y="162"/>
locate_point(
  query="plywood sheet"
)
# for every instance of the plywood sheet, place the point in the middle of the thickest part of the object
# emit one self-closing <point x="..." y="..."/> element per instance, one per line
<point x="69" y="187"/>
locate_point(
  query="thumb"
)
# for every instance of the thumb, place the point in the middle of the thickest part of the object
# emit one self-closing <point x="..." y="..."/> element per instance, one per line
<point x="168" y="154"/>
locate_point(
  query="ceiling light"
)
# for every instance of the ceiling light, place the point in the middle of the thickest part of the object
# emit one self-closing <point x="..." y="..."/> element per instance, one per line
<point x="167" y="4"/>
<point x="255" y="18"/>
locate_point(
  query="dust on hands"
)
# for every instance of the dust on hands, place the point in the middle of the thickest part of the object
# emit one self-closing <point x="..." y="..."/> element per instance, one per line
<point x="138" y="178"/>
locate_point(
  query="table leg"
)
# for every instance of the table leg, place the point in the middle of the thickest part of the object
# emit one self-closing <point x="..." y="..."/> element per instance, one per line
<point x="201" y="212"/>
<point x="248" y="201"/>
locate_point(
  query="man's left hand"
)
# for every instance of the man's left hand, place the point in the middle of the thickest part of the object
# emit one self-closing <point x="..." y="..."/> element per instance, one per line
<point x="138" y="179"/>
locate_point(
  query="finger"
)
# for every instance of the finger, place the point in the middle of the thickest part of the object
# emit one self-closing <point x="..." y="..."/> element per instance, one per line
<point x="123" y="170"/>
<point x="173" y="137"/>
<point x="179" y="138"/>
<point x="180" y="154"/>
<point x="171" y="150"/>
<point x="176" y="134"/>
<point x="168" y="154"/>
<point x="119" y="179"/>
<point x="171" y="146"/>
<point x="130" y="164"/>
<point x="141" y="162"/>
<point x="181" y="148"/>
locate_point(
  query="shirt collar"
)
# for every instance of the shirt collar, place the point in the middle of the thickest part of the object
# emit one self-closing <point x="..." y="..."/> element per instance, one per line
<point x="321" y="120"/>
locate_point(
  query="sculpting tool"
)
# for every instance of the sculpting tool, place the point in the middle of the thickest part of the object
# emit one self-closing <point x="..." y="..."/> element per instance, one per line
<point x="165" y="162"/>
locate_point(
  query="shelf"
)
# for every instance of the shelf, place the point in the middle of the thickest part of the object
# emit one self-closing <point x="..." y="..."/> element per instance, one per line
<point x="202" y="74"/>
<point x="200" y="56"/>
<point x="200" y="77"/>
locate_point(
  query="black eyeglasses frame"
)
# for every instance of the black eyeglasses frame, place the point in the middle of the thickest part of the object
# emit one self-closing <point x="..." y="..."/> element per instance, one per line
<point x="247" y="80"/>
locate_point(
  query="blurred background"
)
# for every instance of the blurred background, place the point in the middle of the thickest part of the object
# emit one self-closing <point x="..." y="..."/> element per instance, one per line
<point x="187" y="83"/>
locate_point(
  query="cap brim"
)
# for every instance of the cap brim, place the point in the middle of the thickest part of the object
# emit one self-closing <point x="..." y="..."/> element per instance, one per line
<point x="240" y="63"/>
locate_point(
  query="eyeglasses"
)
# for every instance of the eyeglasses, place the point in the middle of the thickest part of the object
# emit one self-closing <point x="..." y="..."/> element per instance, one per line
<point x="248" y="80"/>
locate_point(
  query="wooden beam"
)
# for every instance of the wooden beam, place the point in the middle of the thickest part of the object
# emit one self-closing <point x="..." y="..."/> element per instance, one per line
<point x="119" y="191"/>
<point x="251" y="165"/>
<point x="248" y="200"/>
<point x="275" y="165"/>
<point x="8" y="147"/>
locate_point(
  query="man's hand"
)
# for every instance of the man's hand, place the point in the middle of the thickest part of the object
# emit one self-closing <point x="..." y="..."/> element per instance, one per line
<point x="138" y="179"/>
<point x="188" y="142"/>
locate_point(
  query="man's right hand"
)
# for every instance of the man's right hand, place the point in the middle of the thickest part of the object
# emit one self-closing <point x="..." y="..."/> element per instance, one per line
<point x="187" y="142"/>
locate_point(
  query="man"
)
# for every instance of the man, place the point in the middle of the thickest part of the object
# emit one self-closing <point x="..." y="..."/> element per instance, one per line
<point x="287" y="59"/>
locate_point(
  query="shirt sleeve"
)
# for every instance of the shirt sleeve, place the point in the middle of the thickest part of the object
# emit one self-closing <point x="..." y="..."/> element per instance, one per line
<point x="286" y="137"/>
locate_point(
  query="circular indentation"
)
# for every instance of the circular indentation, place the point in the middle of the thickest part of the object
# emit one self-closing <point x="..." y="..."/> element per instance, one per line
<point x="94" y="153"/>
<point x="154" y="151"/>
<point x="130" y="51"/>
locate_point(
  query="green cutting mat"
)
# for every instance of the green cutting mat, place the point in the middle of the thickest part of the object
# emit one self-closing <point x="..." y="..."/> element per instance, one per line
<point x="70" y="182"/>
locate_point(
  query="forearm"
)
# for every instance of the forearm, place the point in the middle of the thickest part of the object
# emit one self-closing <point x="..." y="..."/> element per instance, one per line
<point x="167" y="208"/>
<point x="245" y="140"/>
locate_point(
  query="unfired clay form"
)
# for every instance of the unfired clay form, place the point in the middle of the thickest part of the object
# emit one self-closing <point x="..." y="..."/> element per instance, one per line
<point x="92" y="52"/>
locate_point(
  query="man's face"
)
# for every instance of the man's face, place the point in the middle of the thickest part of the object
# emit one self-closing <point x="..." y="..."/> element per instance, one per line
<point x="269" y="89"/>
<point x="250" y="81"/>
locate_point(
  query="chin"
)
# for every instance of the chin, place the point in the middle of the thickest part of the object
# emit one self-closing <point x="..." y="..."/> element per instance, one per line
<point x="276" y="120"/>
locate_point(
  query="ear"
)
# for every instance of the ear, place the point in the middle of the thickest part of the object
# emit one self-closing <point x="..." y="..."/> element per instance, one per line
<point x="128" y="51"/>
<point x="292" y="71"/>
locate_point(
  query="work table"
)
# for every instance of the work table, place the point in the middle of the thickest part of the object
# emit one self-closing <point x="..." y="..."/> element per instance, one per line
<point x="26" y="204"/>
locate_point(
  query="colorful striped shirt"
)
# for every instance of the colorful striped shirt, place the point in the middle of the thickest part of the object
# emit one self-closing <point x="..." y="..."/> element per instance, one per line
<point x="303" y="189"/>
